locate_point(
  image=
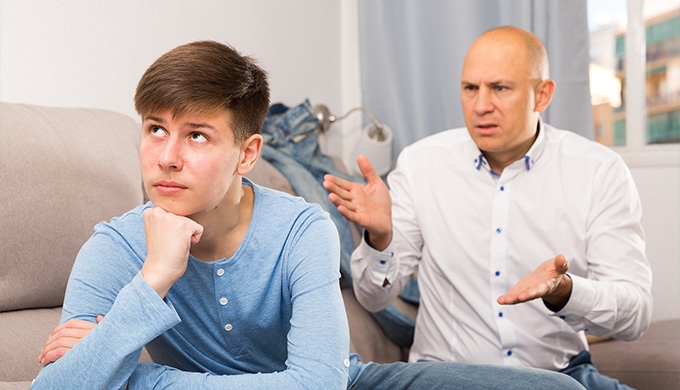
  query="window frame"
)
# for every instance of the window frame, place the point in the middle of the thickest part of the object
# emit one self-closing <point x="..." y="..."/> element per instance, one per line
<point x="636" y="152"/>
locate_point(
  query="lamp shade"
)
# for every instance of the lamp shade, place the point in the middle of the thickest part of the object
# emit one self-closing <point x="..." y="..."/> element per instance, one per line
<point x="376" y="145"/>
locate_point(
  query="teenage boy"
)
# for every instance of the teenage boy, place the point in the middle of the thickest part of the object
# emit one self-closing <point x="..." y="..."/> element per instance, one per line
<point x="228" y="284"/>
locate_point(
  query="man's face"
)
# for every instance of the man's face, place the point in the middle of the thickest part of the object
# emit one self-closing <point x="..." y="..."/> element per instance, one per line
<point x="498" y="95"/>
<point x="188" y="163"/>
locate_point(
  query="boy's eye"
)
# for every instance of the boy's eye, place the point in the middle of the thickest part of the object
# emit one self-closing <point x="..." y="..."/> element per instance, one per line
<point x="157" y="131"/>
<point x="198" y="137"/>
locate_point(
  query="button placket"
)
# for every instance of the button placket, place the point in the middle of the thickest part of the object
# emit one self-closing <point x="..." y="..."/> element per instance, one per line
<point x="221" y="284"/>
<point x="499" y="284"/>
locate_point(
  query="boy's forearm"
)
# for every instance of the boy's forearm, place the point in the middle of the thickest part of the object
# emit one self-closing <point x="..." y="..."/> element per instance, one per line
<point x="107" y="356"/>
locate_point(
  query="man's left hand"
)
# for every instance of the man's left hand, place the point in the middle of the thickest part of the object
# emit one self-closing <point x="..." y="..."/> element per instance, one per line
<point x="549" y="281"/>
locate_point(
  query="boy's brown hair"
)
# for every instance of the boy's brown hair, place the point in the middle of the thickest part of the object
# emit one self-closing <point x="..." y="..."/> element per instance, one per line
<point x="203" y="77"/>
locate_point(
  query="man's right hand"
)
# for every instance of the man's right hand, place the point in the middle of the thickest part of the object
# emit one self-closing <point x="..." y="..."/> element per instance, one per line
<point x="369" y="206"/>
<point x="169" y="238"/>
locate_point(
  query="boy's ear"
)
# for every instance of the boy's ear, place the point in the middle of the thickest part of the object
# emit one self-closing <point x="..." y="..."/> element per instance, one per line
<point x="250" y="151"/>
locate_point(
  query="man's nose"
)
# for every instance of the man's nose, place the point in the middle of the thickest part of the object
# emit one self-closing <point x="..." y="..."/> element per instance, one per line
<point x="483" y="102"/>
<point x="171" y="156"/>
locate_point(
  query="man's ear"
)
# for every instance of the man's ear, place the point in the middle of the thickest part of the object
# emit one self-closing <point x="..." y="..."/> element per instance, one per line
<point x="250" y="151"/>
<point x="544" y="94"/>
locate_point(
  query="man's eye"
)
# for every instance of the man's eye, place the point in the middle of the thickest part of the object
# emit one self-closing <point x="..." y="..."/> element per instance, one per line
<point x="470" y="88"/>
<point x="500" y="88"/>
<point x="198" y="137"/>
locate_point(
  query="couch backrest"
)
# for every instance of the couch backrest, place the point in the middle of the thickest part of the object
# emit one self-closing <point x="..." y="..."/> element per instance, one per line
<point x="62" y="170"/>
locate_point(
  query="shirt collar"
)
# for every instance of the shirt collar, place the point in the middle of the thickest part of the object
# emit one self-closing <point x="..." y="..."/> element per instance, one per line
<point x="530" y="158"/>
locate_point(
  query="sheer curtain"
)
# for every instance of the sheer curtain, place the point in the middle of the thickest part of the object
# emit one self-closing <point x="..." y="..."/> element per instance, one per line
<point x="412" y="55"/>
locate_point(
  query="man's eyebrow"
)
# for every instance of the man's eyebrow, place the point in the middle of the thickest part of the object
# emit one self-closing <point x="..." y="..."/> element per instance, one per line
<point x="496" y="83"/>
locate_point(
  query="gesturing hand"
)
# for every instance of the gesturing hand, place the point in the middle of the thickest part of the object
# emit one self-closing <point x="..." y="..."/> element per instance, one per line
<point x="549" y="281"/>
<point x="369" y="206"/>
<point x="64" y="337"/>
<point x="169" y="238"/>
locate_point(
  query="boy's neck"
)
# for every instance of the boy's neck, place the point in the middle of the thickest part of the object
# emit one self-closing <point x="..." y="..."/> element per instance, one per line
<point x="225" y="228"/>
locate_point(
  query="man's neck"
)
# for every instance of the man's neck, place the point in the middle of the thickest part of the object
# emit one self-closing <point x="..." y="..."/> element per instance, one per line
<point x="499" y="161"/>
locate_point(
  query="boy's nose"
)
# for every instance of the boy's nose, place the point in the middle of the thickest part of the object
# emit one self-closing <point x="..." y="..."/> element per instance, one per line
<point x="171" y="156"/>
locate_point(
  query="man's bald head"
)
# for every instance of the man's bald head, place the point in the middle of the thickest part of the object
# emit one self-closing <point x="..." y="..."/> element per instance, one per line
<point x="536" y="55"/>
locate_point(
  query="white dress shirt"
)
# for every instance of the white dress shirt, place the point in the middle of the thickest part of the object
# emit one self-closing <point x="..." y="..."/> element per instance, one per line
<point x="473" y="234"/>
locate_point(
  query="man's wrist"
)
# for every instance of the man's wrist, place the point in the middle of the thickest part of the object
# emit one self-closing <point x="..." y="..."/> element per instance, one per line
<point x="557" y="300"/>
<point x="379" y="242"/>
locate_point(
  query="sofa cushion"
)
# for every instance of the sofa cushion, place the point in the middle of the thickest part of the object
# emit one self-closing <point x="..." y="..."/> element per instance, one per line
<point x="651" y="362"/>
<point x="24" y="333"/>
<point x="62" y="171"/>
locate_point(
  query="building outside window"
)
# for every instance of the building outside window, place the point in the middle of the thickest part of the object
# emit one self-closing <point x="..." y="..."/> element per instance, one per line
<point x="608" y="22"/>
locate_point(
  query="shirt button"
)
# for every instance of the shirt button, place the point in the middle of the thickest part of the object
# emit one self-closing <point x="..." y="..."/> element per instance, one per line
<point x="498" y="273"/>
<point x="509" y="353"/>
<point x="500" y="314"/>
<point x="346" y="362"/>
<point x="502" y="188"/>
<point x="498" y="230"/>
<point x="220" y="272"/>
<point x="224" y="301"/>
<point x="228" y="327"/>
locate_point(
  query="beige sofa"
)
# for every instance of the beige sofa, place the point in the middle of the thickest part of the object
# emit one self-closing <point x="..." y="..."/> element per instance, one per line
<point x="65" y="169"/>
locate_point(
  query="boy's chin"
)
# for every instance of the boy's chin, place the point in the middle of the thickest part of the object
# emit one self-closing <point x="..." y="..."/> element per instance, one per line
<point x="173" y="208"/>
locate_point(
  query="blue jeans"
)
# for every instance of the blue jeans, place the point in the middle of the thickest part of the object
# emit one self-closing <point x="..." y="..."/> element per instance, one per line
<point x="291" y="144"/>
<point x="581" y="369"/>
<point x="463" y="376"/>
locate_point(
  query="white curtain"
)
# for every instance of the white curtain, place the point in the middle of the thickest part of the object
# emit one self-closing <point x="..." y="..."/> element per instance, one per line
<point x="412" y="55"/>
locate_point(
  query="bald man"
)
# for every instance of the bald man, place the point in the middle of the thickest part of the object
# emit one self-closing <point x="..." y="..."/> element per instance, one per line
<point x="525" y="236"/>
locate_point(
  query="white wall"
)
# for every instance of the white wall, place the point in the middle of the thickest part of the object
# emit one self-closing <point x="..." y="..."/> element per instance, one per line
<point x="92" y="53"/>
<point x="87" y="53"/>
<point x="659" y="188"/>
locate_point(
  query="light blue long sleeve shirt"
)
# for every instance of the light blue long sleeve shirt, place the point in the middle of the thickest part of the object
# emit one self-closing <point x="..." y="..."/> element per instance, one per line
<point x="269" y="317"/>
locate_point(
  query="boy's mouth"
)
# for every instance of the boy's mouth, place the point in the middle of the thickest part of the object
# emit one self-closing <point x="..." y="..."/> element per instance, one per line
<point x="169" y="187"/>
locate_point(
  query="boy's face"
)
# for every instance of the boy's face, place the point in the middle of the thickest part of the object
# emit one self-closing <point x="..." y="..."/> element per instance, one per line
<point x="189" y="163"/>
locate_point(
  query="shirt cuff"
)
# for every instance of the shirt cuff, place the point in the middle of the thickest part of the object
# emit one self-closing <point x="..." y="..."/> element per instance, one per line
<point x="380" y="264"/>
<point x="143" y="307"/>
<point x="580" y="302"/>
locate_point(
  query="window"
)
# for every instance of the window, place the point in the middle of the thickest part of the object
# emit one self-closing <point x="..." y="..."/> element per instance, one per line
<point x="635" y="77"/>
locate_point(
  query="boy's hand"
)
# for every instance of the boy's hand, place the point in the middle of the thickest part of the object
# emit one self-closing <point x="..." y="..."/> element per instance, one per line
<point x="169" y="238"/>
<point x="369" y="206"/>
<point x="64" y="337"/>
